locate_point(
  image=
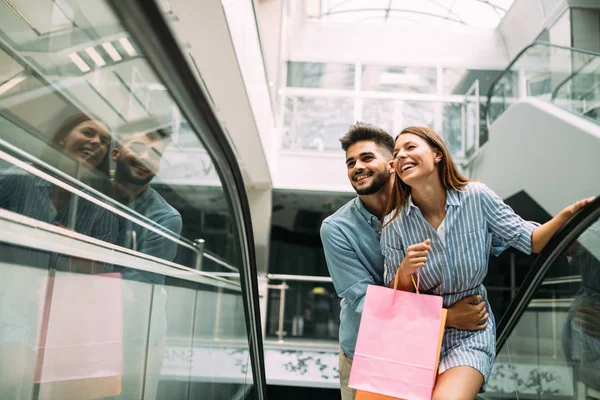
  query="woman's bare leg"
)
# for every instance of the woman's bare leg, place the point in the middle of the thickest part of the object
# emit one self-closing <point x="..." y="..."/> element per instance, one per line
<point x="458" y="383"/>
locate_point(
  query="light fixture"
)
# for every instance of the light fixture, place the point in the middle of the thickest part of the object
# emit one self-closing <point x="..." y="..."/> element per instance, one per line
<point x="77" y="60"/>
<point x="94" y="55"/>
<point x="112" y="52"/>
<point x="127" y="46"/>
<point x="11" y="83"/>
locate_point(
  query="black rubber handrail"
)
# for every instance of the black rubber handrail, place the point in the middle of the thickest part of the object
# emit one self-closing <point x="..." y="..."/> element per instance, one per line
<point x="486" y="114"/>
<point x="555" y="247"/>
<point x="147" y="25"/>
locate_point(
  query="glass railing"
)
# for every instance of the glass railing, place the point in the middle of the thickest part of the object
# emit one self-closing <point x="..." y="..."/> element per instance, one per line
<point x="549" y="339"/>
<point x="302" y="307"/>
<point x="565" y="76"/>
<point x="114" y="165"/>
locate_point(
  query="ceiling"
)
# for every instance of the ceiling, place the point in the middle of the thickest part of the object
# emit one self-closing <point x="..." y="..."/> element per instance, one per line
<point x="434" y="13"/>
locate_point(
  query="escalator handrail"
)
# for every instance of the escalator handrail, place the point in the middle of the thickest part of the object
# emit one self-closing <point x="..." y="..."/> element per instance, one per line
<point x="571" y="76"/>
<point x="146" y="23"/>
<point x="534" y="278"/>
<point x="486" y="114"/>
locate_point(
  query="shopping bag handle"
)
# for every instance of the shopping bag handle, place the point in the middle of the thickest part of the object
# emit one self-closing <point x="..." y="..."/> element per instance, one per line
<point x="412" y="278"/>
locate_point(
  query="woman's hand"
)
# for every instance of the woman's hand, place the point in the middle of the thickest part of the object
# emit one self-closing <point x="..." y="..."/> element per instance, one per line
<point x="416" y="257"/>
<point x="573" y="208"/>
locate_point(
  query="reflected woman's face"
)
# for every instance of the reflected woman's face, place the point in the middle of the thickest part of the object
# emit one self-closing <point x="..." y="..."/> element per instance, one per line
<point x="88" y="142"/>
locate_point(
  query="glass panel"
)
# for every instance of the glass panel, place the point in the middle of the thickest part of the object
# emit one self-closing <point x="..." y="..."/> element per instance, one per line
<point x="93" y="148"/>
<point x="143" y="337"/>
<point x="399" y="79"/>
<point x="395" y="115"/>
<point x="458" y="81"/>
<point x="565" y="77"/>
<point x="316" y="123"/>
<point x="452" y="128"/>
<point x="320" y="75"/>
<point x="553" y="351"/>
<point x="311" y="310"/>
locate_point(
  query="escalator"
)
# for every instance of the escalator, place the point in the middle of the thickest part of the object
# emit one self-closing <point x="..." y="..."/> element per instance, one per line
<point x="541" y="127"/>
<point x="548" y="342"/>
<point x="127" y="258"/>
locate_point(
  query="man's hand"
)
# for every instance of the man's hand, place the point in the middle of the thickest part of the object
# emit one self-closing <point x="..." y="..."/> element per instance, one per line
<point x="468" y="314"/>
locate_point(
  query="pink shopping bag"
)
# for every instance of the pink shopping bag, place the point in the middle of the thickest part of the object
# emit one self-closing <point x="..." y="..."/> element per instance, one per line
<point x="81" y="337"/>
<point x="398" y="344"/>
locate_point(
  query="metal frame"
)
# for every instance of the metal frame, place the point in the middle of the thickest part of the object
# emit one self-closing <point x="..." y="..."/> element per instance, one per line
<point x="148" y="26"/>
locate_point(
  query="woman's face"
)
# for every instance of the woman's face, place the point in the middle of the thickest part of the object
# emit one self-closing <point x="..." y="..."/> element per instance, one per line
<point x="414" y="159"/>
<point x="88" y="142"/>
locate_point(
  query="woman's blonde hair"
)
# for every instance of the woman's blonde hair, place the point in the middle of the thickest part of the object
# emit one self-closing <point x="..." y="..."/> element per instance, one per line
<point x="448" y="173"/>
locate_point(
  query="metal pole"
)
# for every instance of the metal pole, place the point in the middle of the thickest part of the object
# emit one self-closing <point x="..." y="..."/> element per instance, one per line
<point x="199" y="243"/>
<point x="280" y="333"/>
<point x="217" y="330"/>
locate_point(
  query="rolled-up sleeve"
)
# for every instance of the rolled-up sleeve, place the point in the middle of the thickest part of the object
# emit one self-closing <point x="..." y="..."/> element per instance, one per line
<point x="504" y="224"/>
<point x="350" y="277"/>
<point x="393" y="253"/>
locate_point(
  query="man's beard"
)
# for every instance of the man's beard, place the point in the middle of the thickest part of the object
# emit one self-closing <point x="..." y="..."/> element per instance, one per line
<point x="123" y="171"/>
<point x="379" y="181"/>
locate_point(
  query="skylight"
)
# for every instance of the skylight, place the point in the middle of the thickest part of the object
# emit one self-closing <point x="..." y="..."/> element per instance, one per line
<point x="434" y="13"/>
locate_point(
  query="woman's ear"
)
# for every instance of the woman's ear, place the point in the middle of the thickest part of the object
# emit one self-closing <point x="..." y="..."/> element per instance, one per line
<point x="392" y="166"/>
<point x="437" y="156"/>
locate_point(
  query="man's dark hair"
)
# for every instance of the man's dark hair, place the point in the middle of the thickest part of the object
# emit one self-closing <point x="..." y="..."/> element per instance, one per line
<point x="363" y="131"/>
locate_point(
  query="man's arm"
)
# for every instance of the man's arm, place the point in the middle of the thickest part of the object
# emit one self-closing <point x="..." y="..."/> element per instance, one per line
<point x="350" y="276"/>
<point x="159" y="246"/>
<point x="468" y="314"/>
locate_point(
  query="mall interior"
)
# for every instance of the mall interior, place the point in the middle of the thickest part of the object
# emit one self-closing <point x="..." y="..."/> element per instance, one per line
<point x="165" y="167"/>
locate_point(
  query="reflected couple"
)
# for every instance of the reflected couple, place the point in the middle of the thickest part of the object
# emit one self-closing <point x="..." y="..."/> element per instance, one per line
<point x="81" y="148"/>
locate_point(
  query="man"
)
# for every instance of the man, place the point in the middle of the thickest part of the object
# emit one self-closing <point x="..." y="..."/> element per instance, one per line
<point x="137" y="160"/>
<point x="137" y="157"/>
<point x="351" y="241"/>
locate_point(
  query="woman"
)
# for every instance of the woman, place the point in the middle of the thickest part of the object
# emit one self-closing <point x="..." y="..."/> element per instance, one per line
<point x="82" y="150"/>
<point x="442" y="225"/>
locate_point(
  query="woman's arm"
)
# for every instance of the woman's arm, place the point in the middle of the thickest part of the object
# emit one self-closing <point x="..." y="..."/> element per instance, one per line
<point x="542" y="234"/>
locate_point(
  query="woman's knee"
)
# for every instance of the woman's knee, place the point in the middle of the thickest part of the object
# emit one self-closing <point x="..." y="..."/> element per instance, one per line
<point x="458" y="383"/>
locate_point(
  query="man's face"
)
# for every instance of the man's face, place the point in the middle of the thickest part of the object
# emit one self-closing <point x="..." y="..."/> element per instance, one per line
<point x="368" y="167"/>
<point x="138" y="159"/>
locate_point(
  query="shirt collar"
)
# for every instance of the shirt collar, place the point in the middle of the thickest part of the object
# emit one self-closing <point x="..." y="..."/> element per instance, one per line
<point x="452" y="199"/>
<point x="370" y="218"/>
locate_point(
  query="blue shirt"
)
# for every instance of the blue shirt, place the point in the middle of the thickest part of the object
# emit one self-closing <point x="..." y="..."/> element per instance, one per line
<point x="351" y="243"/>
<point x="153" y="206"/>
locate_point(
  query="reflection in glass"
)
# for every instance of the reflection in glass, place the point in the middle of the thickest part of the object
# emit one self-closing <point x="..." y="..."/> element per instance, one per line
<point x="320" y="75"/>
<point x="316" y="123"/>
<point x="83" y="111"/>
